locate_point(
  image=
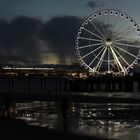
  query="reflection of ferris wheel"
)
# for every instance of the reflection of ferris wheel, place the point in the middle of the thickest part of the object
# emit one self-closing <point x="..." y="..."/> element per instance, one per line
<point x="108" y="42"/>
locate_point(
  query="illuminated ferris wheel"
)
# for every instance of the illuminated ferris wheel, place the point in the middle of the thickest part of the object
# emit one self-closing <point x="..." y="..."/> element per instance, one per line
<point x="108" y="42"/>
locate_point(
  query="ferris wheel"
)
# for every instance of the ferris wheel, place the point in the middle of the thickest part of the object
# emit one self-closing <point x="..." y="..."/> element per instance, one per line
<point x="108" y="41"/>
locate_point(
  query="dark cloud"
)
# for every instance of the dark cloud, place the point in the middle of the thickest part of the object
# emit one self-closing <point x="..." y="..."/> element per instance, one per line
<point x="19" y="41"/>
<point x="60" y="34"/>
<point x="3" y="30"/>
<point x="27" y="40"/>
<point x="93" y="4"/>
<point x="25" y="26"/>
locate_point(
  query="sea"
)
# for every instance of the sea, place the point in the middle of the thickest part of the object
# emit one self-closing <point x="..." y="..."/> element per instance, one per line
<point x="109" y="120"/>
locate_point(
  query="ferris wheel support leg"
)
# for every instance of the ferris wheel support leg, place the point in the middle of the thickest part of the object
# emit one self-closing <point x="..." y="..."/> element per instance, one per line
<point x="117" y="60"/>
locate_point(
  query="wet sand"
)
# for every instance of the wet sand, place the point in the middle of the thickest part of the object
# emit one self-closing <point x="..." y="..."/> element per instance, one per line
<point x="18" y="130"/>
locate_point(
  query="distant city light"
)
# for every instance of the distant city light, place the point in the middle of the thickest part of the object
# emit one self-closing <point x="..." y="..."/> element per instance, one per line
<point x="26" y="68"/>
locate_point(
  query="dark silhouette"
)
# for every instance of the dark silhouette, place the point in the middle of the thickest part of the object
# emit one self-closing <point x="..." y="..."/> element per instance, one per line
<point x="65" y="107"/>
<point x="7" y="105"/>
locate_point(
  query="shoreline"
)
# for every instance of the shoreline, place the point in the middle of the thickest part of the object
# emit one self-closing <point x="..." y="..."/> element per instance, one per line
<point x="18" y="129"/>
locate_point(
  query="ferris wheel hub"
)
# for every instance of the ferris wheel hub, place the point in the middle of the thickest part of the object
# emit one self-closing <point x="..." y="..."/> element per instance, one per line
<point x="108" y="42"/>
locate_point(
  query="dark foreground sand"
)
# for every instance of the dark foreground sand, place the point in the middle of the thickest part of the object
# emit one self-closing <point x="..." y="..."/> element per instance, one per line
<point x="19" y="130"/>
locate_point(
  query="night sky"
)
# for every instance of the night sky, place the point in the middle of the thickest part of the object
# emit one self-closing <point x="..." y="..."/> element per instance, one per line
<point x="43" y="31"/>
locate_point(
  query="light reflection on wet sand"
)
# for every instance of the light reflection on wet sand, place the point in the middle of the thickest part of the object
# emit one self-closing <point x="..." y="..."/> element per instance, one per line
<point x="108" y="120"/>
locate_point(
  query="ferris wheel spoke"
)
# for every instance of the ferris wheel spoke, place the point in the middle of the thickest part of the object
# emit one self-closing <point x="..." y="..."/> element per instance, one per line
<point x="92" y="33"/>
<point x="105" y="25"/>
<point x="91" y="45"/>
<point x="91" y="52"/>
<point x="84" y="38"/>
<point x="120" y="27"/>
<point x="125" y="51"/>
<point x="117" y="65"/>
<point x="108" y="23"/>
<point x="108" y="59"/>
<point x="96" y="57"/>
<point x="116" y="21"/>
<point x="117" y="60"/>
<point x="108" y="18"/>
<point x="128" y="45"/>
<point x="101" y="23"/>
<point x="97" y="29"/>
<point x="126" y="39"/>
<point x="101" y="59"/>
<point x="122" y="39"/>
<point x="109" y="32"/>
<point x="113" y="66"/>
<point x="121" y="56"/>
<point x="125" y="32"/>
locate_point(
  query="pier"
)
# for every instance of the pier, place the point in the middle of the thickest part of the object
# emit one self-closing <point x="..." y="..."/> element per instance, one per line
<point x="42" y="84"/>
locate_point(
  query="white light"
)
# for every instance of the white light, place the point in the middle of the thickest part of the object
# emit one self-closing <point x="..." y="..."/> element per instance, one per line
<point x="109" y="108"/>
<point x="108" y="43"/>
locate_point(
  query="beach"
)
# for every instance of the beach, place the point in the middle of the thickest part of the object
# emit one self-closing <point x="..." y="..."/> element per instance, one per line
<point x="17" y="129"/>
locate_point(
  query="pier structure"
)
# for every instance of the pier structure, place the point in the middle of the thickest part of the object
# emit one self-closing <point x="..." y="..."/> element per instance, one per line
<point x="41" y="84"/>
